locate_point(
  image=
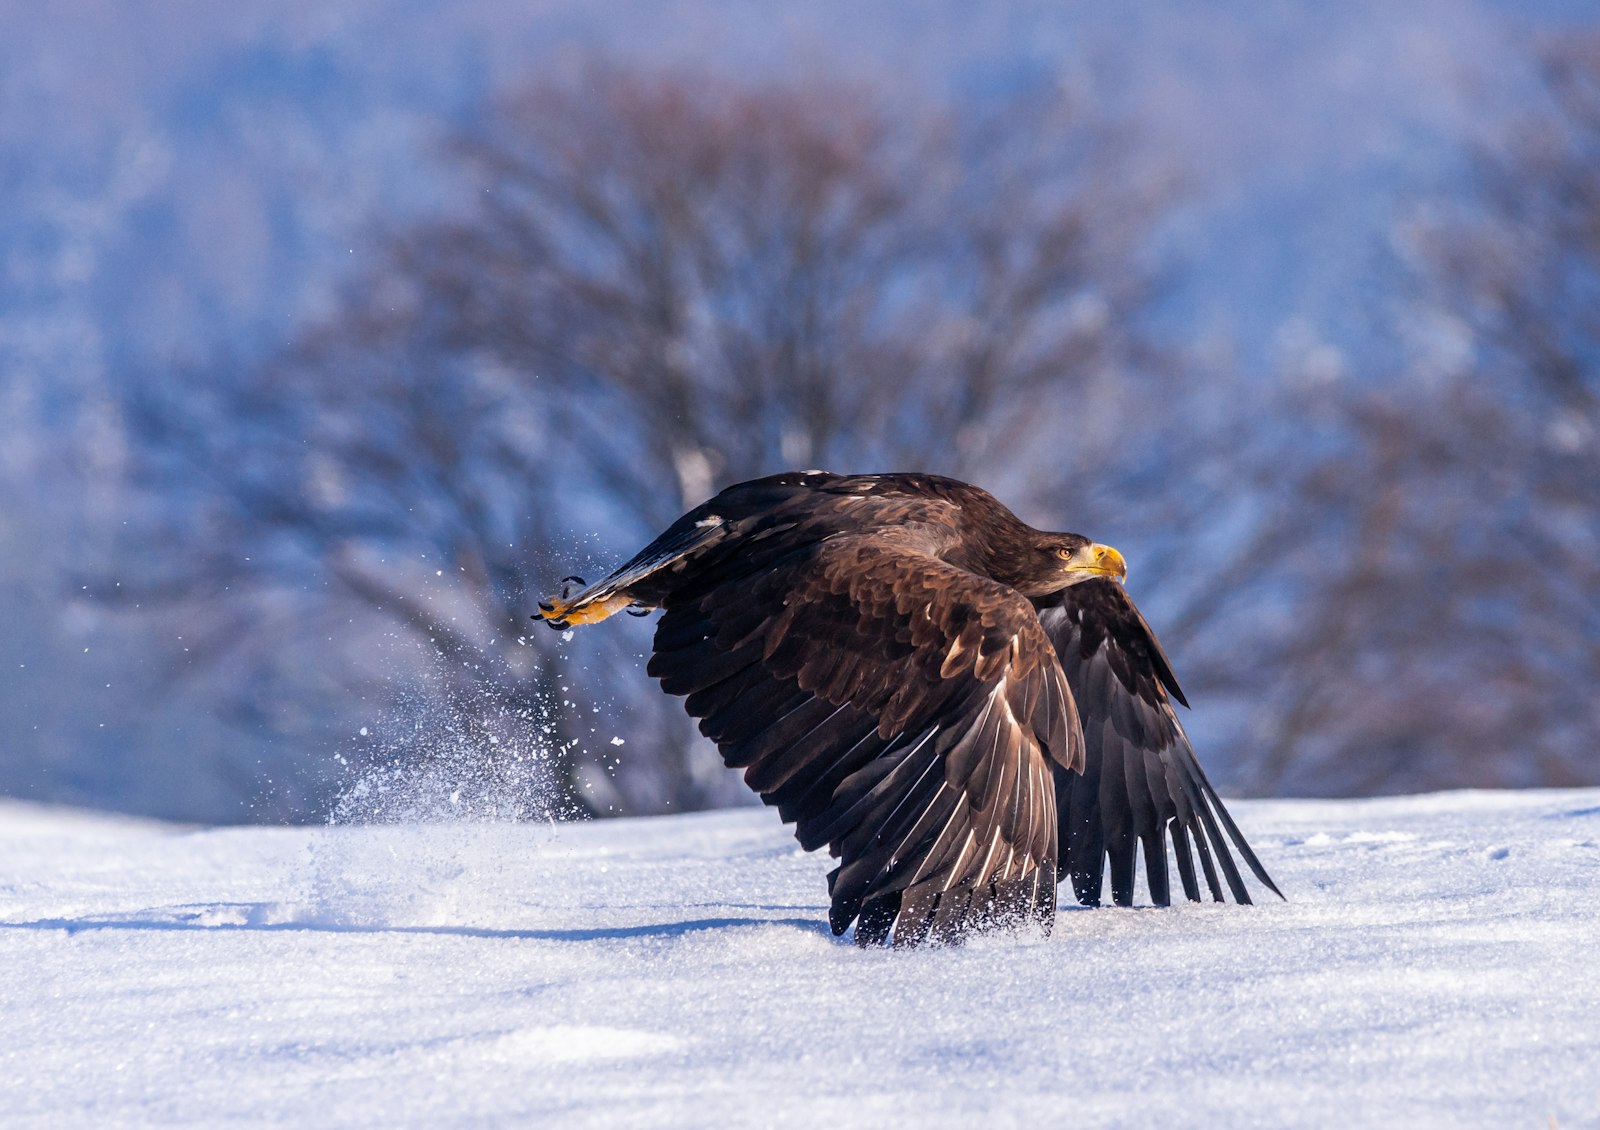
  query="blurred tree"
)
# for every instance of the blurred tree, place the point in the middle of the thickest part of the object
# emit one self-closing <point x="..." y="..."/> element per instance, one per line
<point x="654" y="285"/>
<point x="1445" y="584"/>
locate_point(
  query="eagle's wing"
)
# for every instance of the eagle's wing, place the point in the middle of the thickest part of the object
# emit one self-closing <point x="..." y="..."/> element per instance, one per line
<point x="896" y="708"/>
<point x="1141" y="780"/>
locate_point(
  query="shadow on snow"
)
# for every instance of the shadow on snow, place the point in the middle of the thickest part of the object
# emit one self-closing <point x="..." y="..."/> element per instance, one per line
<point x="197" y="922"/>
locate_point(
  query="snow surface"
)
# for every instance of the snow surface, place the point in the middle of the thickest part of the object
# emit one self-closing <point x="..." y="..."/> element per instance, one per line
<point x="1435" y="965"/>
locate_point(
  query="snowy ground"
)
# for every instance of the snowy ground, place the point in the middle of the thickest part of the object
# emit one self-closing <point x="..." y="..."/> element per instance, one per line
<point x="1436" y="965"/>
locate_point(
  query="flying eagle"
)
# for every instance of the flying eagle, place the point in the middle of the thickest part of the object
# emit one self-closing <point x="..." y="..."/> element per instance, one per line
<point x="961" y="707"/>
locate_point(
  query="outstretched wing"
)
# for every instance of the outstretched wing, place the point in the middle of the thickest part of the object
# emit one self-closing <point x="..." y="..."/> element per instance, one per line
<point x="1141" y="781"/>
<point x="898" y="709"/>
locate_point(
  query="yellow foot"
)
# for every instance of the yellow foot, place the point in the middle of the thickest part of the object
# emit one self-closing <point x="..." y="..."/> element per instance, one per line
<point x="561" y="615"/>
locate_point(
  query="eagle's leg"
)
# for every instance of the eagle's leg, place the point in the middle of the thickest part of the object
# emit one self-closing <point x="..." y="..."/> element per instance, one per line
<point x="561" y="615"/>
<point x="587" y="607"/>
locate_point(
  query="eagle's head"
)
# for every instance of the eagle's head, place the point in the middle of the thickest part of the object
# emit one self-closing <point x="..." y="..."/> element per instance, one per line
<point x="1055" y="561"/>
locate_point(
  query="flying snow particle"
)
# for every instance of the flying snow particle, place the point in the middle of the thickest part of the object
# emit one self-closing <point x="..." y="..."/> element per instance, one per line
<point x="618" y="741"/>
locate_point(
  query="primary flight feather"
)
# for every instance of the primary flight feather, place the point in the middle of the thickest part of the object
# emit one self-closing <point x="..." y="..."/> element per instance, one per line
<point x="962" y="708"/>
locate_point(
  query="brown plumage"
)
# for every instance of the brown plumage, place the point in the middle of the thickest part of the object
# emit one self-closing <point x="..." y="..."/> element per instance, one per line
<point x="898" y="664"/>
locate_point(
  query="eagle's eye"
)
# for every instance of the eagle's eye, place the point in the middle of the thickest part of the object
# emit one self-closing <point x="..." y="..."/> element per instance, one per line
<point x="1064" y="553"/>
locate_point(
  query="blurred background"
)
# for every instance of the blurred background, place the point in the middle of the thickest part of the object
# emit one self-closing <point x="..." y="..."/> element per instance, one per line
<point x="333" y="333"/>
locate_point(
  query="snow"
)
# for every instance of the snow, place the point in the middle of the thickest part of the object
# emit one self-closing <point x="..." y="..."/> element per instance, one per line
<point x="1435" y="965"/>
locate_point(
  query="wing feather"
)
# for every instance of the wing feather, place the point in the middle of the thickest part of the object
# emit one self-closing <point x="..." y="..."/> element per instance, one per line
<point x="1141" y="783"/>
<point x="894" y="707"/>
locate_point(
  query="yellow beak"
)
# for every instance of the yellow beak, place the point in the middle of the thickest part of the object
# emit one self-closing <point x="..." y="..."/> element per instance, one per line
<point x="1097" y="561"/>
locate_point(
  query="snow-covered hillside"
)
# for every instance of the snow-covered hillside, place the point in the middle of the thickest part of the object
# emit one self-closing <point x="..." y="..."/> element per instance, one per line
<point x="1435" y="965"/>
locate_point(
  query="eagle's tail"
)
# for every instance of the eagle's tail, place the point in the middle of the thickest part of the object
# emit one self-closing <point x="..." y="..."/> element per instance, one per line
<point x="618" y="591"/>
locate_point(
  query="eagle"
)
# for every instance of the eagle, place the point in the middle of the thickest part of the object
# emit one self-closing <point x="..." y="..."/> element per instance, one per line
<point x="963" y="709"/>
